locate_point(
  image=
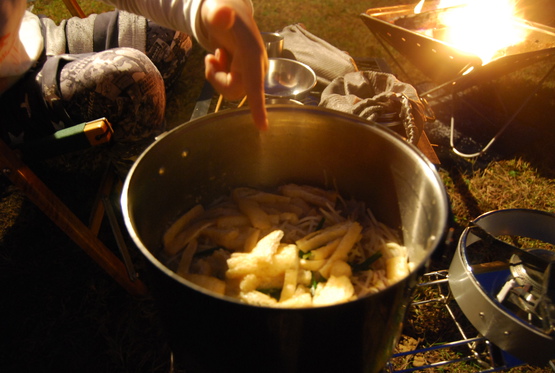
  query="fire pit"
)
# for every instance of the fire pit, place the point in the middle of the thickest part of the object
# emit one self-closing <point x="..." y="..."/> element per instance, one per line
<point x="443" y="62"/>
<point x="421" y="37"/>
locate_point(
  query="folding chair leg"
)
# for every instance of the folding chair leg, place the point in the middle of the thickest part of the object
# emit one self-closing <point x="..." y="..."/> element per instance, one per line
<point x="22" y="176"/>
<point x="74" y="8"/>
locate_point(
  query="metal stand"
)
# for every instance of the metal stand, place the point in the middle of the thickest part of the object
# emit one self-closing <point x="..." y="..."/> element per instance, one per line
<point x="501" y="130"/>
<point x="480" y="352"/>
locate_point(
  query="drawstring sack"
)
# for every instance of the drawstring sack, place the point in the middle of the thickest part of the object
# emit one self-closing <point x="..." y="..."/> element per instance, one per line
<point x="378" y="97"/>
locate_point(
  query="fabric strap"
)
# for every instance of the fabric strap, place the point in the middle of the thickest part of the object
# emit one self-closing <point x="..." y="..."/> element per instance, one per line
<point x="95" y="33"/>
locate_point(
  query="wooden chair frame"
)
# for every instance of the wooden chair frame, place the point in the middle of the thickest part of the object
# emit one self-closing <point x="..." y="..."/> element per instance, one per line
<point x="86" y="237"/>
<point x="13" y="167"/>
<point x="74" y="8"/>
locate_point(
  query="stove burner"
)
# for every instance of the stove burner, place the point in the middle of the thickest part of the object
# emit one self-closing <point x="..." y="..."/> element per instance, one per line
<point x="527" y="274"/>
<point x="526" y="291"/>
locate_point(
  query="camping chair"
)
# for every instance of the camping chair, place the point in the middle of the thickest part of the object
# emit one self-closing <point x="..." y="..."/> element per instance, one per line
<point x="14" y="166"/>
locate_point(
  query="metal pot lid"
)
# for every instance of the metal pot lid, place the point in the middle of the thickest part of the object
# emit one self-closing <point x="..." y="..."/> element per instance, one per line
<point x="505" y="289"/>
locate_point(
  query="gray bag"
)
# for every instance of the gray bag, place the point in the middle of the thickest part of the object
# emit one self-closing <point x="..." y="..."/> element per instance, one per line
<point x="378" y="97"/>
<point x="327" y="61"/>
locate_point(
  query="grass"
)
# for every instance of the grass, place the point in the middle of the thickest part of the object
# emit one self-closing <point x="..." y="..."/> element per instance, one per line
<point x="73" y="298"/>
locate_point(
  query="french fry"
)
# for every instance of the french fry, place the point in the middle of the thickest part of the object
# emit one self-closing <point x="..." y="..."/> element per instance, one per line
<point x="325" y="251"/>
<point x="316" y="239"/>
<point x="285" y="258"/>
<point x="252" y="238"/>
<point x="341" y="268"/>
<point x="252" y="282"/>
<point x="289" y="284"/>
<point x="289" y="207"/>
<point x="258" y="218"/>
<point x="304" y="277"/>
<point x="299" y="301"/>
<point x="228" y="238"/>
<point x="260" y="197"/>
<point x="249" y="283"/>
<point x="207" y="282"/>
<point x="396" y="268"/>
<point x="301" y="298"/>
<point x="180" y="224"/>
<point x="335" y="290"/>
<point x="187" y="258"/>
<point x="310" y="194"/>
<point x="225" y="209"/>
<point x="242" y="264"/>
<point x="268" y="245"/>
<point x="347" y="242"/>
<point x="230" y="221"/>
<point x="185" y="236"/>
<point x="342" y="251"/>
<point x="312" y="265"/>
<point x="300" y="206"/>
<point x="258" y="299"/>
<point x="274" y="219"/>
<point x="258" y="260"/>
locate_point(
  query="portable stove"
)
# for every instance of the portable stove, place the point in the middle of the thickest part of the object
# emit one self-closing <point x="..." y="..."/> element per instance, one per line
<point x="504" y="291"/>
<point x="507" y="292"/>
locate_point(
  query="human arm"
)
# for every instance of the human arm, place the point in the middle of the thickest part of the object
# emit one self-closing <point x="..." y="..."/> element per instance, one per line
<point x="20" y="41"/>
<point x="237" y="61"/>
<point x="11" y="13"/>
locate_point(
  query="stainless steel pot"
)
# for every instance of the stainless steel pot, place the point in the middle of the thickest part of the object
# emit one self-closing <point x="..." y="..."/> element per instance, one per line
<point x="203" y="159"/>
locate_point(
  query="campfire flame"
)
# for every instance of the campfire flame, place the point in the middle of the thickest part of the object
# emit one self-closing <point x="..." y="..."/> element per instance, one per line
<point x="482" y="27"/>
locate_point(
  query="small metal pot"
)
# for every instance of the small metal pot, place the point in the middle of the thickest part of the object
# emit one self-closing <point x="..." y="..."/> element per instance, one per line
<point x="201" y="160"/>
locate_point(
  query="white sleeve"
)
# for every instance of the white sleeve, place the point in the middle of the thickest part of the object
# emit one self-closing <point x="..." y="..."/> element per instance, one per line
<point x="182" y="15"/>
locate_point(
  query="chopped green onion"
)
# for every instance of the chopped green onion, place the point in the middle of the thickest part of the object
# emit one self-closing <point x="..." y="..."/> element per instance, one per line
<point x="365" y="265"/>
<point x="315" y="280"/>
<point x="320" y="224"/>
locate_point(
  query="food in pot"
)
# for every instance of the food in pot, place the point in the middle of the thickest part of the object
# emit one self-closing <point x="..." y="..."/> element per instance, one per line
<point x="300" y="246"/>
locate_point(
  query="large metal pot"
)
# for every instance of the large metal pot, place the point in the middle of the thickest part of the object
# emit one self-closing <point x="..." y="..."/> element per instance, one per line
<point x="203" y="159"/>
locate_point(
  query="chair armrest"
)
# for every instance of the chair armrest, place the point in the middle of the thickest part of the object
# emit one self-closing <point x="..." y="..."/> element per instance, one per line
<point x="74" y="138"/>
